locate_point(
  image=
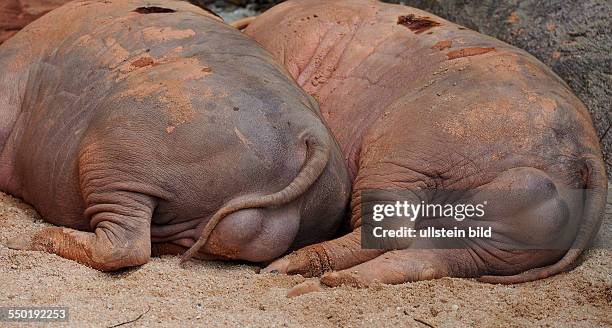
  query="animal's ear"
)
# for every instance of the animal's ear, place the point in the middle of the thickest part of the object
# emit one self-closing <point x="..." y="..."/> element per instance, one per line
<point x="243" y="23"/>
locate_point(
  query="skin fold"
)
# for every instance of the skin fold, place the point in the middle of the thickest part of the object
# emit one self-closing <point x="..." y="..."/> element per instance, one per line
<point x="417" y="102"/>
<point x="151" y="127"/>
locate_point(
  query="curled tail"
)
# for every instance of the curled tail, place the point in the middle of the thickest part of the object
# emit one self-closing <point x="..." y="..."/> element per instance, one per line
<point x="317" y="156"/>
<point x="595" y="202"/>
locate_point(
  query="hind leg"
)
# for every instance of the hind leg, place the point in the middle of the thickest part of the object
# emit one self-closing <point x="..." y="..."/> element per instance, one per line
<point x="10" y="109"/>
<point x="533" y="222"/>
<point x="121" y="238"/>
<point x="314" y="260"/>
<point x="340" y="253"/>
<point x="400" y="266"/>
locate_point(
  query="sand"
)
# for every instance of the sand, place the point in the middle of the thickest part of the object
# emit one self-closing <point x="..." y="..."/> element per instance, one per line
<point x="165" y="293"/>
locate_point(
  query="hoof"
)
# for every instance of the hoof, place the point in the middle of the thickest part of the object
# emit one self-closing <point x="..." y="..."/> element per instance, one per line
<point x="308" y="286"/>
<point x="279" y="266"/>
<point x="344" y="278"/>
<point x="19" y="243"/>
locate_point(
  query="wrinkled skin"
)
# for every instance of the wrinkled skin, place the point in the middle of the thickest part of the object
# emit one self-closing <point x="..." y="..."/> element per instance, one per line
<point x="138" y="125"/>
<point x="417" y="102"/>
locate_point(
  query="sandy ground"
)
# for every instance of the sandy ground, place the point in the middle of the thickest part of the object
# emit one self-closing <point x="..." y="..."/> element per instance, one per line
<point x="164" y="293"/>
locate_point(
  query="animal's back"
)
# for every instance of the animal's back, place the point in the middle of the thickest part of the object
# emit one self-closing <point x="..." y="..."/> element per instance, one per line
<point x="92" y="75"/>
